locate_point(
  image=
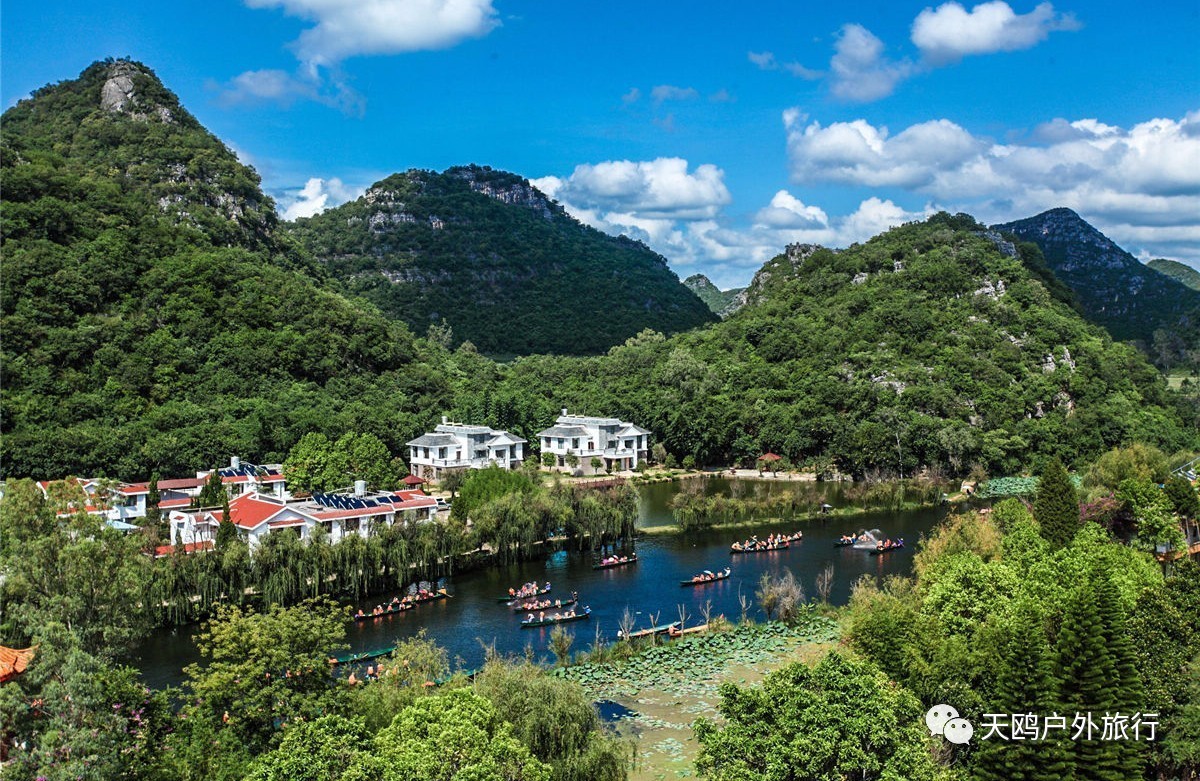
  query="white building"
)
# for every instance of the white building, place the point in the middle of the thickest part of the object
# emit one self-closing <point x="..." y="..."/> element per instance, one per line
<point x="621" y="446"/>
<point x="340" y="514"/>
<point x="122" y="502"/>
<point x="459" y="446"/>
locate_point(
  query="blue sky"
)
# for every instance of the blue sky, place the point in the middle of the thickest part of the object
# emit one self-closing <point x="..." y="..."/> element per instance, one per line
<point x="716" y="132"/>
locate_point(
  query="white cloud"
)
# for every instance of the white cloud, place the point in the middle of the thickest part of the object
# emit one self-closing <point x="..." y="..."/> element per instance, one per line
<point x="345" y="28"/>
<point x="283" y="88"/>
<point x="656" y="189"/>
<point x="766" y="61"/>
<point x="860" y="70"/>
<point x="787" y="211"/>
<point x="949" y="32"/>
<point x="633" y="96"/>
<point x="857" y="152"/>
<point x="317" y="195"/>
<point x="664" y="92"/>
<point x="1139" y="184"/>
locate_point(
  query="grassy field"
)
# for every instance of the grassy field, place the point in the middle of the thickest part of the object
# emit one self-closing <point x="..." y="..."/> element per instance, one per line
<point x="1175" y="380"/>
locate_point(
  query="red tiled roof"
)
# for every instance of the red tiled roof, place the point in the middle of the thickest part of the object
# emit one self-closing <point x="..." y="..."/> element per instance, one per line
<point x="770" y="457"/>
<point x="190" y="547"/>
<point x="181" y="482"/>
<point x="134" y="489"/>
<point x="248" y="511"/>
<point x="413" y="480"/>
<point x="14" y="661"/>
<point x="171" y="504"/>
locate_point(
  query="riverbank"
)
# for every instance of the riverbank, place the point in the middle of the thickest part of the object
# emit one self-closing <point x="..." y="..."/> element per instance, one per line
<point x="838" y="512"/>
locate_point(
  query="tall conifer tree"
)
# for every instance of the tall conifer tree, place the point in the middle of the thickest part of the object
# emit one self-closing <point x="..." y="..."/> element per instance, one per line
<point x="1086" y="673"/>
<point x="1056" y="505"/>
<point x="1025" y="684"/>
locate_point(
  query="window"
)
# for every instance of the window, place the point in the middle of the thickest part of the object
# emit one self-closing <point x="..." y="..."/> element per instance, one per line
<point x="575" y="443"/>
<point x="442" y="453"/>
<point x="351" y="525"/>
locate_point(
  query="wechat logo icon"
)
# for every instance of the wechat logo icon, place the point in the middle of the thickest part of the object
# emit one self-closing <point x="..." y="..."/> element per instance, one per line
<point x="944" y="720"/>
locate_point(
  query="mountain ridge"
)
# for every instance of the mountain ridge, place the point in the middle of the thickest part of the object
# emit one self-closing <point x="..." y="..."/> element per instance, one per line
<point x="498" y="261"/>
<point x="1130" y="299"/>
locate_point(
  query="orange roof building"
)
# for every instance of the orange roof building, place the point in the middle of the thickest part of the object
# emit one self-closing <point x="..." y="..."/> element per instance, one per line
<point x="14" y="661"/>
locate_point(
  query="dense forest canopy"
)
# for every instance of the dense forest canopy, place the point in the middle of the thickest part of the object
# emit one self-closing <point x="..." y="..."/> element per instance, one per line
<point x="933" y="344"/>
<point x="155" y="319"/>
<point x="504" y="266"/>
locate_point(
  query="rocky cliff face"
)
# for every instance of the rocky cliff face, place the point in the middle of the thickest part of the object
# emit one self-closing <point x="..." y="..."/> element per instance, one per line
<point x="1113" y="288"/>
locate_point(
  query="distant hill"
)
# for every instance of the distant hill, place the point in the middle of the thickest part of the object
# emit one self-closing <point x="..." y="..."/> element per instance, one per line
<point x="1129" y="299"/>
<point x="1177" y="271"/>
<point x="153" y="317"/>
<point x="506" y="267"/>
<point x="722" y="302"/>
<point x="936" y="344"/>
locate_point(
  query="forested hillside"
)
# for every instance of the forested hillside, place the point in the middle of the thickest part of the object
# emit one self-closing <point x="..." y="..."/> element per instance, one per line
<point x="933" y="344"/>
<point x="722" y="302"/>
<point x="504" y="266"/>
<point x="1177" y="271"/>
<point x="1132" y="300"/>
<point x="153" y="317"/>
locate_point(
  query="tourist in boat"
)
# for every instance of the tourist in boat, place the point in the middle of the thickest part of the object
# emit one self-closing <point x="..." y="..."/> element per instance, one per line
<point x="360" y="614"/>
<point x="529" y="618"/>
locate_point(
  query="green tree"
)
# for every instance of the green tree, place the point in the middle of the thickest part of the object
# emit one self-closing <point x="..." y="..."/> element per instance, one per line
<point x="597" y="463"/>
<point x="73" y="715"/>
<point x="153" y="497"/>
<point x="1137" y="461"/>
<point x="307" y="464"/>
<point x="1056" y="504"/>
<point x="262" y="671"/>
<point x="1086" y="671"/>
<point x="455" y="736"/>
<point x="838" y="720"/>
<point x="549" y="459"/>
<point x="572" y="460"/>
<point x="331" y="748"/>
<point x="212" y="493"/>
<point x="556" y="720"/>
<point x="402" y="678"/>
<point x="1025" y="683"/>
<point x="1183" y="497"/>
<point x="1152" y="512"/>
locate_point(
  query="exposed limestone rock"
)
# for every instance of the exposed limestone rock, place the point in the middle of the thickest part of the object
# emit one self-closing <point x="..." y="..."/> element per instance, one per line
<point x="117" y="93"/>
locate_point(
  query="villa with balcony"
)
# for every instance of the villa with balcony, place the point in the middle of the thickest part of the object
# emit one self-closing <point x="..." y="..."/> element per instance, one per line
<point x="620" y="446"/>
<point x="459" y="446"/>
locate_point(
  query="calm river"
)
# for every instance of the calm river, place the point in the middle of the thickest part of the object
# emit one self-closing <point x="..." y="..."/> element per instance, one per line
<point x="473" y="617"/>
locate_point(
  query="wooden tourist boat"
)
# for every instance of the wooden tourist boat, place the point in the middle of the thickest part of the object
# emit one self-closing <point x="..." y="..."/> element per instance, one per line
<point x="518" y="595"/>
<point x="525" y="607"/>
<point x="735" y="548"/>
<point x="362" y="656"/>
<point x="562" y="619"/>
<point x="888" y="549"/>
<point x="654" y="630"/>
<point x="400" y="607"/>
<point x="715" y="577"/>
<point x="630" y="559"/>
